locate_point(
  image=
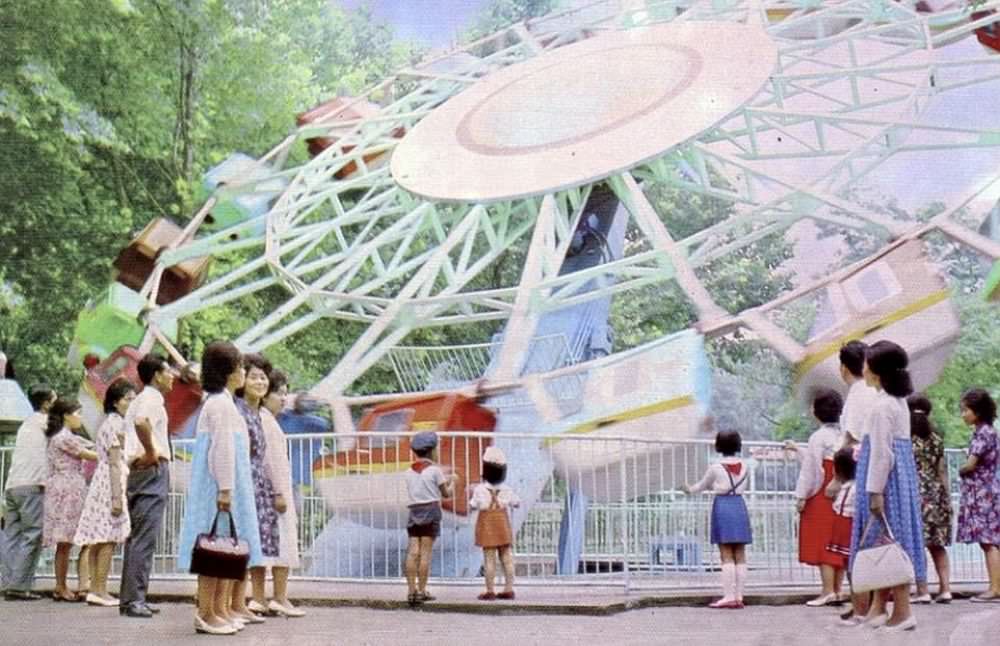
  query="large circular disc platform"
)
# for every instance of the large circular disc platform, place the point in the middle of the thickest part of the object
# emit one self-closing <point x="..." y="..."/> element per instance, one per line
<point x="583" y="112"/>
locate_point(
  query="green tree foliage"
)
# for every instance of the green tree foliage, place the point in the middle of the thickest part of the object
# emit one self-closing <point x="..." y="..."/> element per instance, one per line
<point x="974" y="364"/>
<point x="504" y="13"/>
<point x="111" y="110"/>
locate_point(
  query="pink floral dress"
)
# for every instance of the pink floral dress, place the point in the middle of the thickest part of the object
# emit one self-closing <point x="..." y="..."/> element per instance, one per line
<point x="979" y="517"/>
<point x="97" y="525"/>
<point x="65" y="487"/>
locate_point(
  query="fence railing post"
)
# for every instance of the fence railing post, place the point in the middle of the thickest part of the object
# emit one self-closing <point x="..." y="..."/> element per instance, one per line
<point x="625" y="513"/>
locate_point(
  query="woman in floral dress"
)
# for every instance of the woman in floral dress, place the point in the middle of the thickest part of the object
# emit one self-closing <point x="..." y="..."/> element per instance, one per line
<point x="935" y="496"/>
<point x="65" y="489"/>
<point x="979" y="518"/>
<point x="249" y="404"/>
<point x="105" y="522"/>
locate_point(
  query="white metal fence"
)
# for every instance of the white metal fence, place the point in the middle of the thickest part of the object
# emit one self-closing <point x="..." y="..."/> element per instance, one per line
<point x="637" y="529"/>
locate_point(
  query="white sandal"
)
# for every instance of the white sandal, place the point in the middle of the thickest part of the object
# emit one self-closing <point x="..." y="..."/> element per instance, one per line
<point x="202" y="626"/>
<point x="824" y="600"/>
<point x="259" y="608"/>
<point x="283" y="610"/>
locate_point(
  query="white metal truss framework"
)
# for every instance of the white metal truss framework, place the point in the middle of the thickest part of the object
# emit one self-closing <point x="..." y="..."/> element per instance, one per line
<point x="852" y="81"/>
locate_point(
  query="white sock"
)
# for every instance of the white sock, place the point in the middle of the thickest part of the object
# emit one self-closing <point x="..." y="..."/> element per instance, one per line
<point x="741" y="580"/>
<point x="728" y="581"/>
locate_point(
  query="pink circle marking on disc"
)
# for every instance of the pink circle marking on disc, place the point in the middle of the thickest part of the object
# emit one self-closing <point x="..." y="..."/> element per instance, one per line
<point x="491" y="127"/>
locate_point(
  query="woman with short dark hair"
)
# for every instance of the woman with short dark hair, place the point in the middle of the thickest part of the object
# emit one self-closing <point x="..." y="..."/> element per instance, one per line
<point x="935" y="496"/>
<point x="105" y="522"/>
<point x="249" y="404"/>
<point x="65" y="490"/>
<point x="979" y="514"/>
<point x="220" y="476"/>
<point x="279" y="470"/>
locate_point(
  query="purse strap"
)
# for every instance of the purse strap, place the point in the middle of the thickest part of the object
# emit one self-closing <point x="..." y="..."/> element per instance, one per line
<point x="868" y="524"/>
<point x="232" y="524"/>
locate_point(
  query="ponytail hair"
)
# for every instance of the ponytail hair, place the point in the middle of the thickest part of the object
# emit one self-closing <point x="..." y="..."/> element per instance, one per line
<point x="888" y="361"/>
<point x="920" y="408"/>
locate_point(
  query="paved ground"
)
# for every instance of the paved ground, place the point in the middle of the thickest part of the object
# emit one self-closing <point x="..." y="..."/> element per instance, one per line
<point x="373" y="614"/>
<point x="45" y="623"/>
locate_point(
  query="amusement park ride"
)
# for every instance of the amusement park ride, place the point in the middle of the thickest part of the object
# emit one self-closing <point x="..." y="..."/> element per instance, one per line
<point x="546" y="137"/>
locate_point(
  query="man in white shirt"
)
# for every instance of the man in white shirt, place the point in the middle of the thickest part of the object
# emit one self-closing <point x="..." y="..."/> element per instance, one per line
<point x="24" y="495"/>
<point x="860" y="396"/>
<point x="148" y="452"/>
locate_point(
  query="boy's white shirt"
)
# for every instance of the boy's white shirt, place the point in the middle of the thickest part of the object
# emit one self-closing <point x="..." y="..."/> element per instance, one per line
<point x="425" y="487"/>
<point x="857" y="406"/>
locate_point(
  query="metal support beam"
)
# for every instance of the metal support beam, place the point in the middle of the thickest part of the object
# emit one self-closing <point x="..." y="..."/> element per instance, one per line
<point x="655" y="231"/>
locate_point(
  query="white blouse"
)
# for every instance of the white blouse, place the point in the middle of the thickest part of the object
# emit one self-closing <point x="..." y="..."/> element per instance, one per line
<point x="823" y="443"/>
<point x="843" y="504"/>
<point x="857" y="406"/>
<point x="276" y="459"/>
<point x="220" y="417"/>
<point x="481" y="496"/>
<point x="889" y="421"/>
<point x="716" y="477"/>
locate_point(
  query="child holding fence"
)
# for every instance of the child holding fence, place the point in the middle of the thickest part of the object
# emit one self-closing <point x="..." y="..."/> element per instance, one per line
<point x="426" y="484"/>
<point x="728" y="479"/>
<point x="494" y="499"/>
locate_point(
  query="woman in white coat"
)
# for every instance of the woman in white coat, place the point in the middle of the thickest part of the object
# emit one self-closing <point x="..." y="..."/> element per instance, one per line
<point x="288" y="521"/>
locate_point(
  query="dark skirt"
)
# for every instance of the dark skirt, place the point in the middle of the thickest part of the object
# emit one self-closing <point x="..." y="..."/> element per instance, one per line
<point x="424" y="520"/>
<point x="730" y="521"/>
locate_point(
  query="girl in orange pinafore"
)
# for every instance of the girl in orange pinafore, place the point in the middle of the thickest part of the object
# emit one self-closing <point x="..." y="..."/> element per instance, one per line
<point x="494" y="499"/>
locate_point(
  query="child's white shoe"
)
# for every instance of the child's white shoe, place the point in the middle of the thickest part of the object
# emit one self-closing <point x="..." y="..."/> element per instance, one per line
<point x="726" y="604"/>
<point x="823" y="600"/>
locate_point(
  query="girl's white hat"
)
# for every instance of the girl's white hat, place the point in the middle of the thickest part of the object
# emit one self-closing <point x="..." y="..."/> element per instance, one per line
<point x="494" y="455"/>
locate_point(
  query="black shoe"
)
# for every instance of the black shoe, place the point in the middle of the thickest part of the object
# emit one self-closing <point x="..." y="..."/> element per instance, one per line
<point x="21" y="595"/>
<point x="139" y="611"/>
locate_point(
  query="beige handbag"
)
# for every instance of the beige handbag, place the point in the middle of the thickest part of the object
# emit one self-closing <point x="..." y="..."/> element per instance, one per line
<point x="880" y="566"/>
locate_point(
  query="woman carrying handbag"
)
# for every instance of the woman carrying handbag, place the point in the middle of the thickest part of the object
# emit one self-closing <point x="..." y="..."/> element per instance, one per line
<point x="887" y="488"/>
<point x="220" y="474"/>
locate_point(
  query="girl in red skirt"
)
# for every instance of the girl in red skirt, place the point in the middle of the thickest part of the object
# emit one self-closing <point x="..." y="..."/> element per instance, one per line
<point x="839" y="547"/>
<point x="816" y="509"/>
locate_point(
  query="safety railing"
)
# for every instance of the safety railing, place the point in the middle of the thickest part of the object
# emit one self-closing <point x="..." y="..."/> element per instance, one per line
<point x="422" y="368"/>
<point x="603" y="510"/>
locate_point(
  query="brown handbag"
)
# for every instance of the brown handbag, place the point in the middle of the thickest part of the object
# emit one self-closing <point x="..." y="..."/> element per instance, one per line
<point x="222" y="557"/>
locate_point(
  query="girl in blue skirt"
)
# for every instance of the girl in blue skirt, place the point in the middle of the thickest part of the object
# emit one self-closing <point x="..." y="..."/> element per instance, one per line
<point x="728" y="479"/>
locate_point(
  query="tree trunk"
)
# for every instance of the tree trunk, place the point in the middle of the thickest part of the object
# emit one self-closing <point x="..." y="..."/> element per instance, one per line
<point x="186" y="104"/>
